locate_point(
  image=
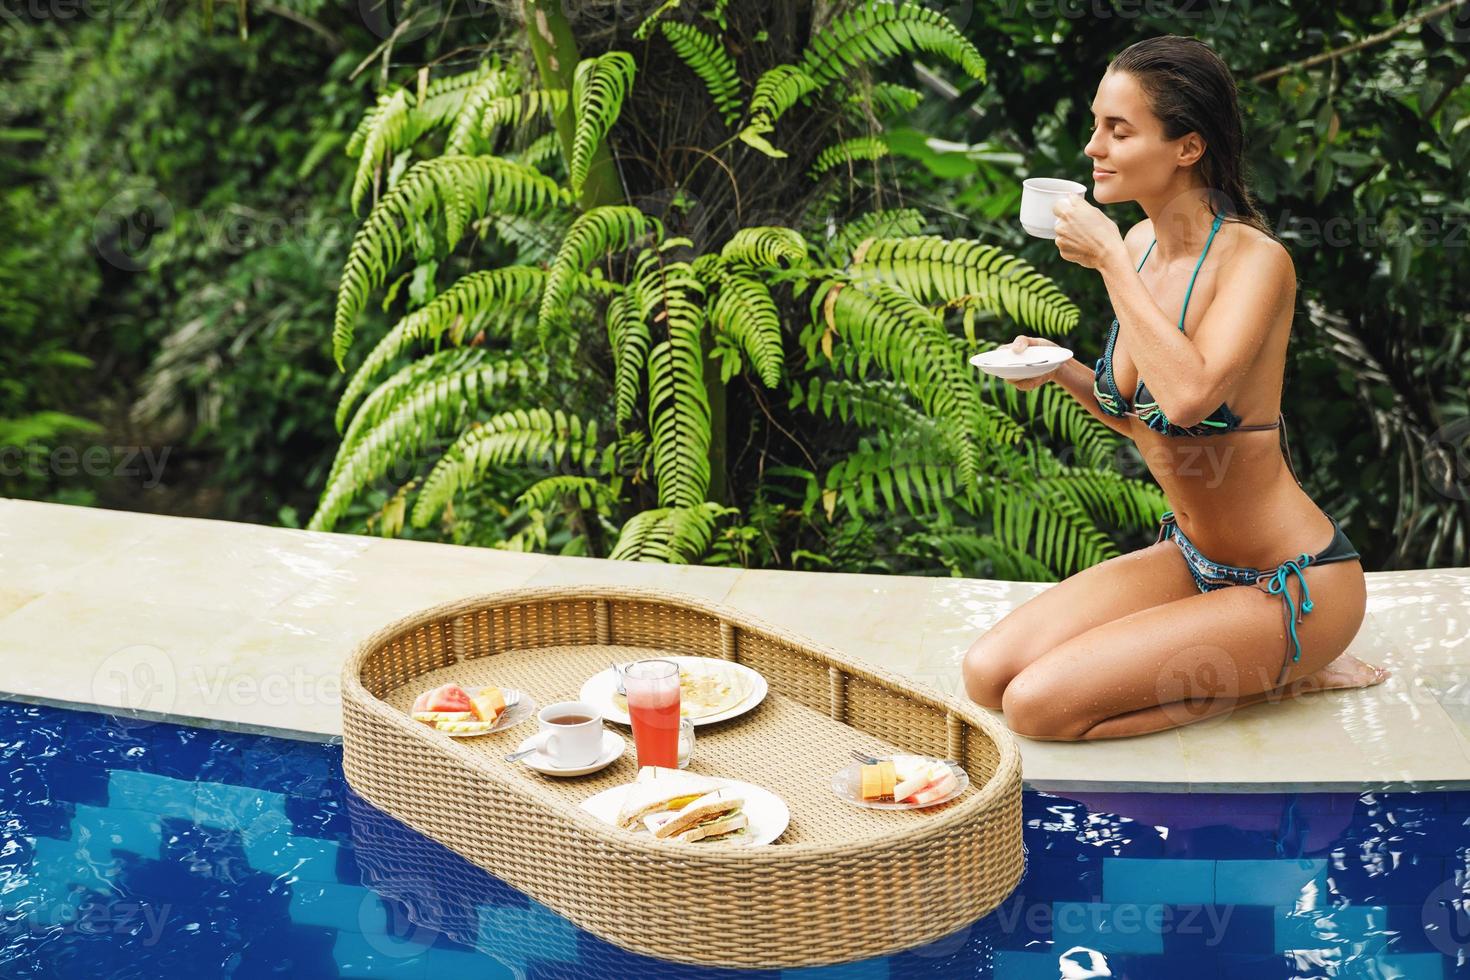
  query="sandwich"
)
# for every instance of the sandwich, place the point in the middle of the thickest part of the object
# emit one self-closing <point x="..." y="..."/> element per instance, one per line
<point x="713" y="816"/>
<point x="659" y="790"/>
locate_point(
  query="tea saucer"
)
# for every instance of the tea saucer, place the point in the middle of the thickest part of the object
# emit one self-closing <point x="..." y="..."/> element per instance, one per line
<point x="613" y="746"/>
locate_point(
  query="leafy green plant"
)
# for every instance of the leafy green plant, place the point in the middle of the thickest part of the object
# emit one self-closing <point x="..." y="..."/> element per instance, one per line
<point x="612" y="357"/>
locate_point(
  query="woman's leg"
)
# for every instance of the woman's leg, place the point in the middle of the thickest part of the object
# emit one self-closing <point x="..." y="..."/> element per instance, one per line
<point x="1190" y="659"/>
<point x="1106" y="591"/>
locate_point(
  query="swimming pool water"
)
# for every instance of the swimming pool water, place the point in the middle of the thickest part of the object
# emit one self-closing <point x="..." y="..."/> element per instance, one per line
<point x="149" y="850"/>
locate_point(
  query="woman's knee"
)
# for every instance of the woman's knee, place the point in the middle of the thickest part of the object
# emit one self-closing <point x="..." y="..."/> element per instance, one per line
<point x="1035" y="707"/>
<point x="988" y="667"/>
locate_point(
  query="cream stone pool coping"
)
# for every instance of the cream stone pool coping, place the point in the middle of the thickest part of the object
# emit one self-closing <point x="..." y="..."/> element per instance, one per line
<point x="245" y="627"/>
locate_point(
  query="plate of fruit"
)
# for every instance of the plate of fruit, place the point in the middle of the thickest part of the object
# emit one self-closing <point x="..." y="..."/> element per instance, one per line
<point x="900" y="782"/>
<point x="459" y="713"/>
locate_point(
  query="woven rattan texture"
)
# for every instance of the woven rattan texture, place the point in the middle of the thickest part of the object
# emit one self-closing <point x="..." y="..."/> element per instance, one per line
<point x="842" y="884"/>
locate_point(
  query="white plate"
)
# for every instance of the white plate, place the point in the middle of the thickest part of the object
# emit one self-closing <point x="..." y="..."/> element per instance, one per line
<point x="601" y="687"/>
<point x="767" y="812"/>
<point x="613" y="746"/>
<point x="1031" y="362"/>
<point x="848" y="784"/>
<point x="509" y="718"/>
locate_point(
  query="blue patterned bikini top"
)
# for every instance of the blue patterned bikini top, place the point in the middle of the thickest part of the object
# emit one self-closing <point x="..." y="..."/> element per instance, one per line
<point x="1110" y="399"/>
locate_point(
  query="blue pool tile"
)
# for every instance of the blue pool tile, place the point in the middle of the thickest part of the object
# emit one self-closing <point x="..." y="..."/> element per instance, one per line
<point x="1363" y="928"/>
<point x="1410" y="966"/>
<point x="111" y="828"/>
<point x="318" y="903"/>
<point x="1279" y="882"/>
<point x="1013" y="964"/>
<point x="165" y="795"/>
<point x="306" y="858"/>
<point x="1122" y="927"/>
<point x="1204" y="931"/>
<point x="450" y="964"/>
<point x="1158" y="880"/>
<point x="363" y="956"/>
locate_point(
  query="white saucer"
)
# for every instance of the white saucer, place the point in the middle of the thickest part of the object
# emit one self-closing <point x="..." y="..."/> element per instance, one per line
<point x="613" y="746"/>
<point x="1031" y="362"/>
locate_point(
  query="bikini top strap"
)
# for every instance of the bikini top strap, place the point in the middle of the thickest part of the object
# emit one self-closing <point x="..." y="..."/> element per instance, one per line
<point x="1213" y="228"/>
<point x="1145" y="254"/>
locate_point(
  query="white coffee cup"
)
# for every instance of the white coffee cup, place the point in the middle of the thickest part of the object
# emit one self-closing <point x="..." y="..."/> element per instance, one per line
<point x="570" y="745"/>
<point x="1038" y="196"/>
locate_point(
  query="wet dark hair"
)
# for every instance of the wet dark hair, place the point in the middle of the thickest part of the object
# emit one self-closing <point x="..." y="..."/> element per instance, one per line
<point x="1191" y="89"/>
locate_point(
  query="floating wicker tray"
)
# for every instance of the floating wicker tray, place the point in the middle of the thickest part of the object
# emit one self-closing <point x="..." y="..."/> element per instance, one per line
<point x="842" y="883"/>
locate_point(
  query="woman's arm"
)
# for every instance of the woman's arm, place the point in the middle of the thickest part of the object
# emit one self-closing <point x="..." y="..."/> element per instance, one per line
<point x="1076" y="378"/>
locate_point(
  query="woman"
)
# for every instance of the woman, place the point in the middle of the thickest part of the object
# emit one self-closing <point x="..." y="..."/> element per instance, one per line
<point x="1159" y="637"/>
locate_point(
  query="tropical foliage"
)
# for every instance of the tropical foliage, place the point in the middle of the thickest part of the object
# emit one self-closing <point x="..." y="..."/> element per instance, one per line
<point x="849" y="319"/>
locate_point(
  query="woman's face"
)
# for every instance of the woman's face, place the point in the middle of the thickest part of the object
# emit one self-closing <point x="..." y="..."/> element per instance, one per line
<point x="1130" y="157"/>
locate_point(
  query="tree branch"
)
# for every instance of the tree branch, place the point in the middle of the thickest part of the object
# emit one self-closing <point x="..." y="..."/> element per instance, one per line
<point x="1368" y="41"/>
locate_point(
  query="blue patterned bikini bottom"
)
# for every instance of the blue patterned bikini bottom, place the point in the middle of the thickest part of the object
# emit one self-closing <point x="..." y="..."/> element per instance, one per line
<point x="1210" y="575"/>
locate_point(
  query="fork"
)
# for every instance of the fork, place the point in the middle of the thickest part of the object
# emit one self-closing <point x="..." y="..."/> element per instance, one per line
<point x="618" y="673"/>
<point x="872" y="761"/>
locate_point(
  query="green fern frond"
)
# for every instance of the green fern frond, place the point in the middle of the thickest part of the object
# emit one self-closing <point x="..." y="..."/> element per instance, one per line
<point x="542" y="149"/>
<point x="678" y="408"/>
<point x="881" y="323"/>
<point x="439" y="405"/>
<point x="745" y="310"/>
<point x="461" y="187"/>
<point x="777" y="90"/>
<point x="399" y="119"/>
<point x="1051" y="527"/>
<point x="598" y="90"/>
<point x="967" y="553"/>
<point x="890" y="99"/>
<point x="764" y="247"/>
<point x="923" y="485"/>
<point x="467" y="117"/>
<point x="880" y="30"/>
<point x="629" y="339"/>
<point x="526" y="437"/>
<point x="894" y="223"/>
<point x="609" y="228"/>
<point x="654" y="19"/>
<point x="857" y="148"/>
<point x="675" y="535"/>
<point x="408" y="379"/>
<point x="705" y="54"/>
<point x="589" y="493"/>
<point x="934" y="269"/>
<point x="488" y="299"/>
<point x="516" y="109"/>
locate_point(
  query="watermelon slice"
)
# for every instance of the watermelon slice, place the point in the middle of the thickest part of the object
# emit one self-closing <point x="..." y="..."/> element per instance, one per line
<point x="939" y="789"/>
<point x="449" y="697"/>
<point x="420" y="703"/>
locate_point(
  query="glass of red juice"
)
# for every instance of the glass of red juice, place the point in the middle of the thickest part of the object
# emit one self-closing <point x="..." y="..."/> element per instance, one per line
<point x="652" y="687"/>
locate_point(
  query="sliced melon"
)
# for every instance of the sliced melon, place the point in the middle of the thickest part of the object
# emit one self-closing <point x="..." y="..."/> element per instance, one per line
<point x="431" y="717"/>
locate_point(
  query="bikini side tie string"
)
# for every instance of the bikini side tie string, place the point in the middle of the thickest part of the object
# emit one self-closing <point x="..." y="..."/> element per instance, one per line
<point x="1277" y="585"/>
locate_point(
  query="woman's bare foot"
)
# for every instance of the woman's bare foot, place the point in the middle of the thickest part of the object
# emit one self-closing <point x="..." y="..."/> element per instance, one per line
<point x="1346" y="671"/>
